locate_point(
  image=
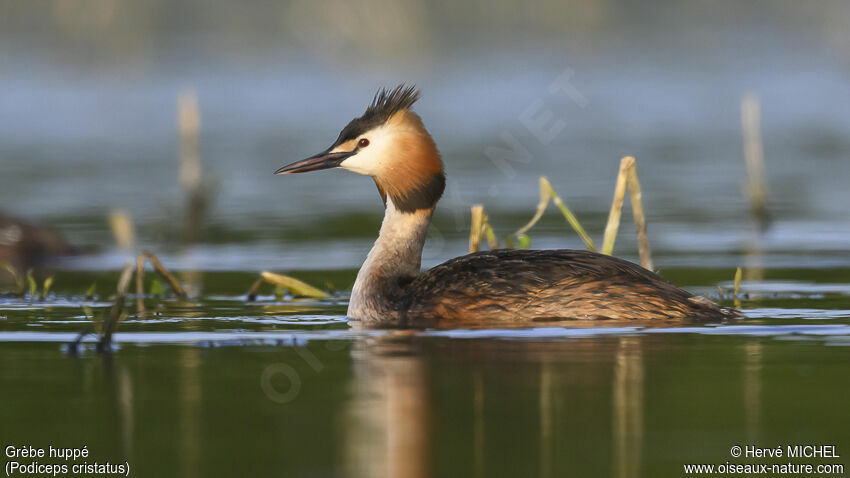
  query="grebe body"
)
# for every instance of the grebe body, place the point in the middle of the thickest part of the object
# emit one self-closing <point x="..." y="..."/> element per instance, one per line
<point x="390" y="144"/>
<point x="24" y="245"/>
<point x="546" y="285"/>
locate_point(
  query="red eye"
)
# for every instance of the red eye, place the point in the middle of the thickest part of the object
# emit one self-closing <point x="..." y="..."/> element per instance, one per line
<point x="363" y="143"/>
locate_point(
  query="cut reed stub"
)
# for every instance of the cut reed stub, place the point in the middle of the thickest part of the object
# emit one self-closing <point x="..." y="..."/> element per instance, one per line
<point x="189" y="125"/>
<point x="627" y="179"/>
<point x="476" y="222"/>
<point x="480" y="227"/>
<point x="756" y="188"/>
<point x="198" y="187"/>
<point x="121" y="225"/>
<point x="737" y="288"/>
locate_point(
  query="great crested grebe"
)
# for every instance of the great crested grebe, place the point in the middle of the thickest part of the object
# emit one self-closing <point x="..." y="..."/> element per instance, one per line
<point x="390" y="144"/>
<point x="24" y="245"/>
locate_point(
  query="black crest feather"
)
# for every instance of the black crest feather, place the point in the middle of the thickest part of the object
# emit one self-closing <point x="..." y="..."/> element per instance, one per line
<point x="389" y="102"/>
<point x="386" y="103"/>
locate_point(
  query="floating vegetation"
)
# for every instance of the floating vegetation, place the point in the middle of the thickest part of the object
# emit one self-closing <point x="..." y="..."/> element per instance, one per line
<point x="156" y="289"/>
<point x="116" y="314"/>
<point x="32" y="285"/>
<point x="26" y="283"/>
<point x="20" y="286"/>
<point x="281" y="283"/>
<point x="45" y="288"/>
<point x="627" y="180"/>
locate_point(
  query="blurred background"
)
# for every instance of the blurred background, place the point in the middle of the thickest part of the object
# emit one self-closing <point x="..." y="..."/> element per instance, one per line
<point x="89" y="122"/>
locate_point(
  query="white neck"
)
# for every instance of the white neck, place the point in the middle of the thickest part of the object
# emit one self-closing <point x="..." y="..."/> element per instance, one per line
<point x="394" y="260"/>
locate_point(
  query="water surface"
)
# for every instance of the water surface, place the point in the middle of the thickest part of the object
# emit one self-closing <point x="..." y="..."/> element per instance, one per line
<point x="215" y="384"/>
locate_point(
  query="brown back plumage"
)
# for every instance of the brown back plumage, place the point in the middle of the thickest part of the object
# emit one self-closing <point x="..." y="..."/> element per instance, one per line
<point x="523" y="285"/>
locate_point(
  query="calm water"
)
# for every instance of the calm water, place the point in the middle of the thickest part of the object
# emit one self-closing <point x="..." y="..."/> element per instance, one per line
<point x="217" y="386"/>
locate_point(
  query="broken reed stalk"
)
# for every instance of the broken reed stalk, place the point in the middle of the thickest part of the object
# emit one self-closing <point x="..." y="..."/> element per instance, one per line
<point x="140" y="284"/>
<point x="293" y="285"/>
<point x="124" y="279"/>
<point x="613" y="225"/>
<point x="165" y="274"/>
<point x="91" y="291"/>
<point x="636" y="201"/>
<point x="754" y="159"/>
<point x="570" y="217"/>
<point x="538" y="212"/>
<point x="74" y="347"/>
<point x="547" y="193"/>
<point x="627" y="179"/>
<point x="116" y="313"/>
<point x="255" y="289"/>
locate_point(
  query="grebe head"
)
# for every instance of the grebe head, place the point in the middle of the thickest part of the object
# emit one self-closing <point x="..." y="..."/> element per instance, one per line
<point x="390" y="144"/>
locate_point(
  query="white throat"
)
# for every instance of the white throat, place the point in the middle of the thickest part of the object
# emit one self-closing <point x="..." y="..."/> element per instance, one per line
<point x="394" y="260"/>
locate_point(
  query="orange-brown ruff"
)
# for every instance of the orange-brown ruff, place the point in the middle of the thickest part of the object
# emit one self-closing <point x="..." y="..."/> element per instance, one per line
<point x="390" y="144"/>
